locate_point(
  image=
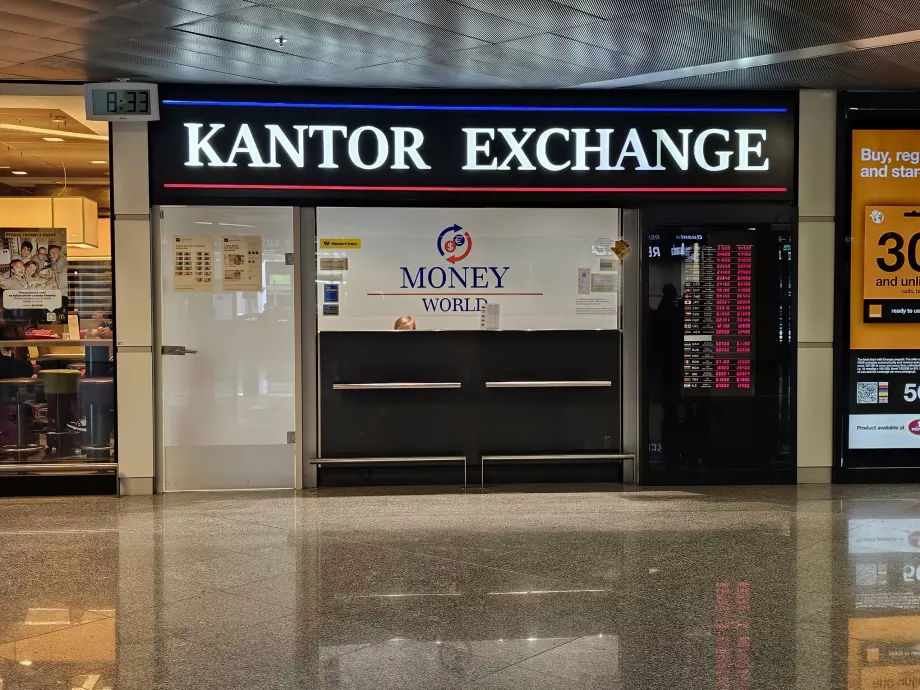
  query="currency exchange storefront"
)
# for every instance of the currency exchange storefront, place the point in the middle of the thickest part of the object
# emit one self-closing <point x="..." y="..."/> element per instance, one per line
<point x="380" y="287"/>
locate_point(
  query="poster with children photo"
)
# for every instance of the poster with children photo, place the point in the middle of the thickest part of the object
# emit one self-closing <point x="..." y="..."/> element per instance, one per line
<point x="33" y="269"/>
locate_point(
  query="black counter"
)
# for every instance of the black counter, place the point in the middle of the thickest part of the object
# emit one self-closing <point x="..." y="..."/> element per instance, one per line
<point x="569" y="403"/>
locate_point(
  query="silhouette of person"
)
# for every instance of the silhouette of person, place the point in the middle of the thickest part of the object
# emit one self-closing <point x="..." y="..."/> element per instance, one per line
<point x="668" y="346"/>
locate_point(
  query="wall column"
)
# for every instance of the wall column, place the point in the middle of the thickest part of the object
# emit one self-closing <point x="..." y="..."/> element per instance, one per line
<point x="817" y="181"/>
<point x="131" y="259"/>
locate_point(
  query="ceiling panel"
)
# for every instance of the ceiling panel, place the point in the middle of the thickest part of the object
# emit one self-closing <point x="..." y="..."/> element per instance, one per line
<point x="808" y="73"/>
<point x="575" y="52"/>
<point x="305" y="36"/>
<point x="503" y="57"/>
<point x="59" y="13"/>
<point x="433" y="74"/>
<point x="210" y="7"/>
<point x="544" y="15"/>
<point x="375" y="21"/>
<point x="45" y="46"/>
<point x="463" y="43"/>
<point x="466" y="21"/>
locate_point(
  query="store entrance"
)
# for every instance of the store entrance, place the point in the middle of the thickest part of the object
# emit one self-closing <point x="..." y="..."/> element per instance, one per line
<point x="226" y="343"/>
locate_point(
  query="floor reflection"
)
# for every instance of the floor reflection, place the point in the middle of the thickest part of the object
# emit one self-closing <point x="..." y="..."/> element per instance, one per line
<point x="719" y="589"/>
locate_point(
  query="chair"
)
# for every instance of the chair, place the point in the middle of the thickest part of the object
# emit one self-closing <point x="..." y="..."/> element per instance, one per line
<point x="61" y="394"/>
<point x="98" y="398"/>
<point x="20" y="392"/>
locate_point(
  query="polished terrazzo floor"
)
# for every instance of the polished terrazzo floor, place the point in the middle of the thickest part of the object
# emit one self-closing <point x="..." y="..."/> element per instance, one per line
<point x="555" y="589"/>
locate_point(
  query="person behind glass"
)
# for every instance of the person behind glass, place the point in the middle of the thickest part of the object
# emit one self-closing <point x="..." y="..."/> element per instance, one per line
<point x="15" y="362"/>
<point x="404" y="323"/>
<point x="667" y="327"/>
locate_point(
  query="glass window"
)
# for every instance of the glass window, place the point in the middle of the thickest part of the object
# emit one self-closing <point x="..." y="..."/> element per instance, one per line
<point x="57" y="376"/>
<point x="463" y="269"/>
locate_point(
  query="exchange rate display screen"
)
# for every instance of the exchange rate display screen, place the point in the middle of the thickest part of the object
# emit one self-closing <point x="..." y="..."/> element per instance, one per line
<point x="718" y="348"/>
<point x="718" y="288"/>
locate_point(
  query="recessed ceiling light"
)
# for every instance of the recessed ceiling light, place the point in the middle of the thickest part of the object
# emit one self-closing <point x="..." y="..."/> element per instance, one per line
<point x="99" y="162"/>
<point x="52" y="138"/>
<point x="4" y="167"/>
<point x="20" y="172"/>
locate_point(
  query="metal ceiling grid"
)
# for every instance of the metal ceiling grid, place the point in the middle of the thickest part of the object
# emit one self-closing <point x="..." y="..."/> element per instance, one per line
<point x="466" y="43"/>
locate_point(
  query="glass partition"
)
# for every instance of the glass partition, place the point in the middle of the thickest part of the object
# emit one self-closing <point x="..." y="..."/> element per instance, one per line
<point x="227" y="344"/>
<point x="468" y="268"/>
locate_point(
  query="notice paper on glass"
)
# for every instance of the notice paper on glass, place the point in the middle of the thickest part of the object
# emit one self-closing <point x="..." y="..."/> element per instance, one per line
<point x="603" y="246"/>
<point x="604" y="282"/>
<point x="193" y="263"/>
<point x="242" y="263"/>
<point x="490" y="316"/>
<point x="333" y="263"/>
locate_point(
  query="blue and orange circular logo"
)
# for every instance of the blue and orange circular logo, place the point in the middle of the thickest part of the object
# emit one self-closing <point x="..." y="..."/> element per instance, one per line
<point x="454" y="244"/>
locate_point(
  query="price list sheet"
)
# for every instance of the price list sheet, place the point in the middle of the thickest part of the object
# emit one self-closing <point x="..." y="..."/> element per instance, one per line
<point x="718" y="324"/>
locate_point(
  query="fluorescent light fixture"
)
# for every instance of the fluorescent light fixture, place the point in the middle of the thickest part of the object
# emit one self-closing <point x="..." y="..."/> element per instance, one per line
<point x="99" y="162"/>
<point x="52" y="138"/>
<point x="77" y="215"/>
<point x="20" y="172"/>
<point x="45" y="616"/>
<point x="53" y="132"/>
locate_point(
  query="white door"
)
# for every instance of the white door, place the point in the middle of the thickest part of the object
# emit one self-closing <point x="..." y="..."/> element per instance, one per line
<point x="227" y="349"/>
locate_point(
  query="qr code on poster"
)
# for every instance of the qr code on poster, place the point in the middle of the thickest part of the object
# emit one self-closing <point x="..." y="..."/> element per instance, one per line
<point x="867" y="392"/>
<point x="866" y="574"/>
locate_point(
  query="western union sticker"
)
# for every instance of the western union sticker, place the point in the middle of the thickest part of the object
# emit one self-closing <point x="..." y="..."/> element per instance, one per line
<point x="340" y="243"/>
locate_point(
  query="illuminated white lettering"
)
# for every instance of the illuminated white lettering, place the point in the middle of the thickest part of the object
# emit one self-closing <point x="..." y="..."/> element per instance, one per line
<point x="517" y="148"/>
<point x="699" y="151"/>
<point x="680" y="155"/>
<point x="277" y="136"/>
<point x="474" y="148"/>
<point x="245" y="143"/>
<point x="632" y="147"/>
<point x="745" y="148"/>
<point x="354" y="148"/>
<point x="197" y="146"/>
<point x="541" y="149"/>
<point x="401" y="149"/>
<point x="582" y="149"/>
<point x="328" y="151"/>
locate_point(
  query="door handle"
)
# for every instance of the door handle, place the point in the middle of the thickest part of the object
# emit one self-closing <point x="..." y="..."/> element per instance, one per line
<point x="178" y="350"/>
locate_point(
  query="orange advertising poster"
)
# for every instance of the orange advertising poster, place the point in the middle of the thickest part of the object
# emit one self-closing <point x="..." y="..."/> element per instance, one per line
<point x="885" y="240"/>
<point x="882" y="653"/>
<point x="891" y="261"/>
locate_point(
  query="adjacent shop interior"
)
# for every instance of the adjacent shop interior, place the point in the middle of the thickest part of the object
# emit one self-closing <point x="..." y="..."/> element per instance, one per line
<point x="57" y="387"/>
